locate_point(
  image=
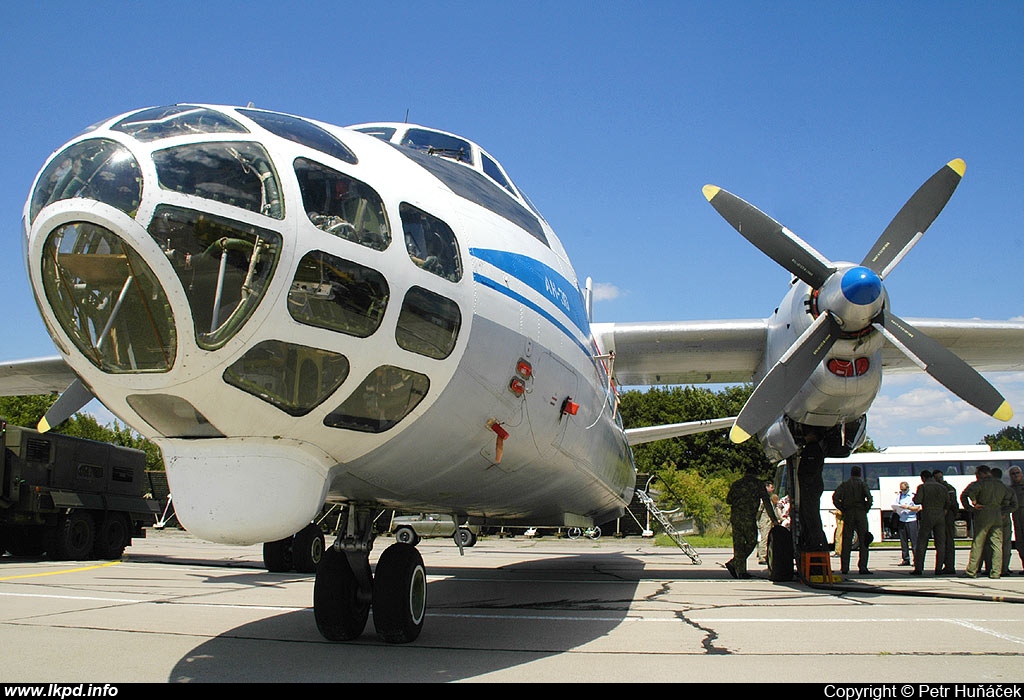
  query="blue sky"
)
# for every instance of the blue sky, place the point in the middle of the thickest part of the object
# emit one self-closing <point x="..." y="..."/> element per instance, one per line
<point x="611" y="116"/>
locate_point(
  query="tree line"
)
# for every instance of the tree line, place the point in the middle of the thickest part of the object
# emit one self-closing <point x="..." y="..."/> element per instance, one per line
<point x="693" y="472"/>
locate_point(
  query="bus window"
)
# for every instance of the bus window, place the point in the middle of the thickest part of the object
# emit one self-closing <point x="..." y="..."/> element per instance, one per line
<point x="947" y="467"/>
<point x="873" y="471"/>
<point x="832" y="475"/>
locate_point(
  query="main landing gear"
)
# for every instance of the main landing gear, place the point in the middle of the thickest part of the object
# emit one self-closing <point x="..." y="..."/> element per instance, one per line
<point x="346" y="589"/>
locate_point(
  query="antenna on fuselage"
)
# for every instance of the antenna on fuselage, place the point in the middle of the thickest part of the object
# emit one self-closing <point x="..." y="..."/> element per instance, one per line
<point x="588" y="298"/>
<point x="407" y="115"/>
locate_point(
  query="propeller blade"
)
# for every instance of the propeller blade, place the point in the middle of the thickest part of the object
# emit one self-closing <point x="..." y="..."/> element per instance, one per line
<point x="71" y="400"/>
<point x="946" y="367"/>
<point x="786" y="378"/>
<point x="771" y="238"/>
<point x="914" y="218"/>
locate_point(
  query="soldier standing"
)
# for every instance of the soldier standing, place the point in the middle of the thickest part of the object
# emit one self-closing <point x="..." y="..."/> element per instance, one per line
<point x="853" y="499"/>
<point x="986" y="498"/>
<point x="1017" y="486"/>
<point x="745" y="495"/>
<point x="931" y="522"/>
<point x="949" y="556"/>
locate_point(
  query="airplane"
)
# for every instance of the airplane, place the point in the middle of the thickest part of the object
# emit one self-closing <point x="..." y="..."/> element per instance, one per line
<point x="376" y="316"/>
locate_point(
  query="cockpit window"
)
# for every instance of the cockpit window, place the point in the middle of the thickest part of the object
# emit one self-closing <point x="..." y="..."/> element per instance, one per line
<point x="431" y="243"/>
<point x="342" y="206"/>
<point x="337" y="294"/>
<point x="384" y="133"/>
<point x="429" y="324"/>
<point x="107" y="299"/>
<point x="98" y="169"/>
<point x="437" y="144"/>
<point x="177" y="120"/>
<point x="381" y="401"/>
<point x="295" y="378"/>
<point x="492" y="170"/>
<point x="301" y="131"/>
<point x="224" y="267"/>
<point x="238" y="173"/>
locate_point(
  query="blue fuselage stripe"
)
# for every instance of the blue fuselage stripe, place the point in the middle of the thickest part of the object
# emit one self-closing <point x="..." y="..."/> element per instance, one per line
<point x="516" y="296"/>
<point x="541" y="278"/>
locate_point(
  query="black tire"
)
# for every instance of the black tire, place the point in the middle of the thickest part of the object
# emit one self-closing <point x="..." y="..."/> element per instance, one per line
<point x="26" y="541"/>
<point x="112" y="537"/>
<point x="277" y="555"/>
<point x="465" y="537"/>
<point x="780" y="554"/>
<point x="406" y="535"/>
<point x="74" y="537"/>
<point x="308" y="549"/>
<point x="399" y="594"/>
<point x="340" y="611"/>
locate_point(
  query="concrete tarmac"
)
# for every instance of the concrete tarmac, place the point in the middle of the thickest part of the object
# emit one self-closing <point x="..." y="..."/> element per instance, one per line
<point x="177" y="609"/>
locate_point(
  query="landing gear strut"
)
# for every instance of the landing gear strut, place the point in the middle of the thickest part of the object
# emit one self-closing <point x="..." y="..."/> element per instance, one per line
<point x="345" y="588"/>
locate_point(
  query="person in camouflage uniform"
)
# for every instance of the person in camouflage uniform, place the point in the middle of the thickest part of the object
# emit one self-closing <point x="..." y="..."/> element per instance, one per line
<point x="987" y="498"/>
<point x="745" y="496"/>
<point x="853" y="498"/>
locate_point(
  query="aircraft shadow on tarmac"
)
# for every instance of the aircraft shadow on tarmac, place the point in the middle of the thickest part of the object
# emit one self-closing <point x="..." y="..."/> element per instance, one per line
<point x="470" y="619"/>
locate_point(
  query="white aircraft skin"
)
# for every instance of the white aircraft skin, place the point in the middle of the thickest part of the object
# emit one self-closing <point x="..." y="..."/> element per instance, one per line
<point x="244" y="288"/>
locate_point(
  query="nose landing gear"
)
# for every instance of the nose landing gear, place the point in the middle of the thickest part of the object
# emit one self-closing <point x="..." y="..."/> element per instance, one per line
<point x="346" y="589"/>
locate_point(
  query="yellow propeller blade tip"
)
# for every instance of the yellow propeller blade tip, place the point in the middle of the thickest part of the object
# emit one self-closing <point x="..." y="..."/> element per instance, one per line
<point x="738" y="434"/>
<point x="958" y="165"/>
<point x="1004" y="413"/>
<point x="710" y="191"/>
<point x="43" y="425"/>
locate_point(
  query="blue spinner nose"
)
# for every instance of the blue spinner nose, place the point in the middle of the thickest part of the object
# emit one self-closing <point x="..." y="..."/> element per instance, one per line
<point x="861" y="285"/>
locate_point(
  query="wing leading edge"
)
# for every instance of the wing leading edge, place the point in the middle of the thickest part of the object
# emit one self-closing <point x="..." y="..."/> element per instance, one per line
<point x="723" y="352"/>
<point x="41" y="375"/>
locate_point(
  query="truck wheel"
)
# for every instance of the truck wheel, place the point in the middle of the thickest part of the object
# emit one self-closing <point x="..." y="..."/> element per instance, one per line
<point x="26" y="540"/>
<point x="406" y="535"/>
<point x="465" y="537"/>
<point x="112" y="537"/>
<point x="308" y="549"/>
<point x="75" y="534"/>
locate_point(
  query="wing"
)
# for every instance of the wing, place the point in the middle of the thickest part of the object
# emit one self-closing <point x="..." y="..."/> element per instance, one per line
<point x="987" y="346"/>
<point x="724" y="352"/>
<point x="684" y="352"/>
<point x="42" y="375"/>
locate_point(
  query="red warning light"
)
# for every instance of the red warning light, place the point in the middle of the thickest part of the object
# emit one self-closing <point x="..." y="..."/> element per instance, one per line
<point x="517" y="386"/>
<point x="524" y="369"/>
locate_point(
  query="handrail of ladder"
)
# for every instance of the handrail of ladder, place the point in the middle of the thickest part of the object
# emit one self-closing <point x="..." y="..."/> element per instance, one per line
<point x="670" y="529"/>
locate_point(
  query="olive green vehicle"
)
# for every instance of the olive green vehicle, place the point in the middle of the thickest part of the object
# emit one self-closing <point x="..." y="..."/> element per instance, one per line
<point x="70" y="498"/>
<point x="412" y="528"/>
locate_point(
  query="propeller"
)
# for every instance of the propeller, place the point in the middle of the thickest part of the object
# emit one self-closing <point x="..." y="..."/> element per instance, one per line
<point x="71" y="400"/>
<point x="850" y="299"/>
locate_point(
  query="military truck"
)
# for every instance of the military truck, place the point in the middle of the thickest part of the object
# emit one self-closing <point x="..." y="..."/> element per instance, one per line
<point x="70" y="498"/>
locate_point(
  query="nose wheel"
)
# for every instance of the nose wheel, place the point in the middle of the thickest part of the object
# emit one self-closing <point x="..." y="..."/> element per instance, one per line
<point x="399" y="594"/>
<point x="345" y="590"/>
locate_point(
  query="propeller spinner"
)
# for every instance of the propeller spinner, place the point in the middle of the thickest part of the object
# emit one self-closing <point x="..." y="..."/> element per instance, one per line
<point x="850" y="299"/>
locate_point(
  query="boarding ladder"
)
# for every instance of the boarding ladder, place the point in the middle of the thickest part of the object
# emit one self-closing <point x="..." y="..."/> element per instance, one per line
<point x="670" y="529"/>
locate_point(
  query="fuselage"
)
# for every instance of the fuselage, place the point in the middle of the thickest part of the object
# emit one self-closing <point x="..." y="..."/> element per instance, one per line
<point x="299" y="313"/>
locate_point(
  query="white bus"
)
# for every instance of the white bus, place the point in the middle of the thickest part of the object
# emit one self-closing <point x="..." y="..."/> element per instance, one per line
<point x="883" y="471"/>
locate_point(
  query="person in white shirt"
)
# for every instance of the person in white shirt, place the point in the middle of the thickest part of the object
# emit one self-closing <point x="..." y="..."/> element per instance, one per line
<point x="907" y="510"/>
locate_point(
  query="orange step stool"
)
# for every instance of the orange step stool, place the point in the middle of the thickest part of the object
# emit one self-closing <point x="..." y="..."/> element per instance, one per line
<point x="816" y="567"/>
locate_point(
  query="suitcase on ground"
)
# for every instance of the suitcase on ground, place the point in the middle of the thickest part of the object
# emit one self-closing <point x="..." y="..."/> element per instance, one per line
<point x="780" y="554"/>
